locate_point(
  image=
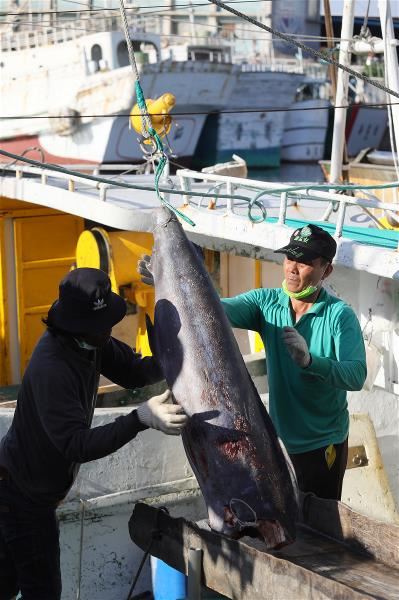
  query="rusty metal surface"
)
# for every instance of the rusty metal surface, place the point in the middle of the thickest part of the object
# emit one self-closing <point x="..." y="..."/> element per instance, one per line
<point x="357" y="457"/>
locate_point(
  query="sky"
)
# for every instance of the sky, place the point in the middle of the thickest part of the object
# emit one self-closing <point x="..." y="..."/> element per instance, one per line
<point x="361" y="7"/>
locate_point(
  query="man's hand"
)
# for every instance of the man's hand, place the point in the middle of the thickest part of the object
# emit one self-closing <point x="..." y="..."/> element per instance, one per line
<point x="297" y="347"/>
<point x="143" y="268"/>
<point x="159" y="414"/>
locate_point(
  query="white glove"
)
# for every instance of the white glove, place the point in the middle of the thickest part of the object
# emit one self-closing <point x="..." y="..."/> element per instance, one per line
<point x="297" y="347"/>
<point x="142" y="267"/>
<point x="159" y="414"/>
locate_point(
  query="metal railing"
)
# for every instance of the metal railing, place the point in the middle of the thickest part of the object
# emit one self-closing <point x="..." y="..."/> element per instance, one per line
<point x="286" y="195"/>
<point x="222" y="184"/>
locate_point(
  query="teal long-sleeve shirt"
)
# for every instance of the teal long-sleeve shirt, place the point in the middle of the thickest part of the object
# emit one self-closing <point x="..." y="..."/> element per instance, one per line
<point x="307" y="406"/>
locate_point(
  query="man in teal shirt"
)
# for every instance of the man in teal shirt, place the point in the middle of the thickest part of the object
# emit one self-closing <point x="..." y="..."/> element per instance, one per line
<point x="314" y="354"/>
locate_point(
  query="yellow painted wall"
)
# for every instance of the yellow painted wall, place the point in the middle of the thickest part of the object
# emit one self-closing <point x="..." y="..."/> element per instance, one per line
<point x="44" y="253"/>
<point x="4" y="366"/>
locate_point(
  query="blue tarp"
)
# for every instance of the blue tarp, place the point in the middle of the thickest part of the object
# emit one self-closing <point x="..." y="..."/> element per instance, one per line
<point x="383" y="238"/>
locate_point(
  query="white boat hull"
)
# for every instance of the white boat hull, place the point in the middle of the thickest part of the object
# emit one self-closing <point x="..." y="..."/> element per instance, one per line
<point x="305" y="131"/>
<point x="256" y="135"/>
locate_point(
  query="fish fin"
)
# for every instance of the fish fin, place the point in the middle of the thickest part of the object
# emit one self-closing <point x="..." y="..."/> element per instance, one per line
<point x="151" y="335"/>
<point x="146" y="258"/>
<point x="145" y="270"/>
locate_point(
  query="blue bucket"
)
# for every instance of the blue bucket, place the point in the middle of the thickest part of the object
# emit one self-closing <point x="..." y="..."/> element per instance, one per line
<point x="167" y="583"/>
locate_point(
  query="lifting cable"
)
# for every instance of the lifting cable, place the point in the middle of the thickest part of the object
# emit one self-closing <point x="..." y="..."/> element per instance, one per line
<point x="147" y="130"/>
<point x="316" y="53"/>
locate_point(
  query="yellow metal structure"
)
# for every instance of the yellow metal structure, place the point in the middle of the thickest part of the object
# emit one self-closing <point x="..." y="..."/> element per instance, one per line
<point x="259" y="346"/>
<point x="37" y="249"/>
<point x="158" y="111"/>
<point x="117" y="253"/>
<point x="387" y="225"/>
<point x="4" y="354"/>
<point x="44" y="253"/>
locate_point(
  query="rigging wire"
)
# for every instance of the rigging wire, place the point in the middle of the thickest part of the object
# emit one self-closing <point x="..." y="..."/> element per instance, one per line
<point x="127" y="8"/>
<point x="237" y="111"/>
<point x="323" y="187"/>
<point x="143" y="16"/>
<point x="324" y="56"/>
<point x="162" y="14"/>
<point x="148" y="131"/>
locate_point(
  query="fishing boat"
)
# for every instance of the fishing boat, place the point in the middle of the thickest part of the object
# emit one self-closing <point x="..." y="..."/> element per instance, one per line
<point x="305" y="128"/>
<point x="53" y="218"/>
<point x="98" y="554"/>
<point x="89" y="92"/>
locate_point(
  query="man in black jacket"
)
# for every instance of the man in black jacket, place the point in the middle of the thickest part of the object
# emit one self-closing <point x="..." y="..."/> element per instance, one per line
<point x="50" y="435"/>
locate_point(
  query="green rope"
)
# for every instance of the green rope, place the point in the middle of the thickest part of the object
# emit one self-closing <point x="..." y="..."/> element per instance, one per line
<point x="147" y="130"/>
<point x="251" y="201"/>
<point x="323" y="187"/>
<point x="163" y="159"/>
<point x="158" y="173"/>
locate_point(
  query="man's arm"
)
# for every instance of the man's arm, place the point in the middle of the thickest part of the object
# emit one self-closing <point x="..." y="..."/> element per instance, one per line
<point x="349" y="370"/>
<point x="243" y="311"/>
<point x="123" y="366"/>
<point x="65" y="421"/>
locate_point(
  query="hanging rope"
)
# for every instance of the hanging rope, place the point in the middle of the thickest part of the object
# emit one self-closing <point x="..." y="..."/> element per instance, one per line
<point x="145" y="117"/>
<point x="364" y="31"/>
<point x="298" y="44"/>
<point x="147" y="130"/>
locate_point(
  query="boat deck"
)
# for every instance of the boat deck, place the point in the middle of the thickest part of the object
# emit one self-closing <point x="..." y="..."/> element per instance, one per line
<point x="216" y="204"/>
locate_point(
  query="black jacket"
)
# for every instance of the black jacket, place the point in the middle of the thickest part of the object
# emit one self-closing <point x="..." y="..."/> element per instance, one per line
<point x="50" y="434"/>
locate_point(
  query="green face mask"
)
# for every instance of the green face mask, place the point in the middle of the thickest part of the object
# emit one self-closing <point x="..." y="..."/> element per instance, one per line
<point x="311" y="289"/>
<point x="84" y="345"/>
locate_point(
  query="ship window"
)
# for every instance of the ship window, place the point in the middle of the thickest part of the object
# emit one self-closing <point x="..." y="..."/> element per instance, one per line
<point x="96" y="55"/>
<point x="122" y="54"/>
<point x="201" y="56"/>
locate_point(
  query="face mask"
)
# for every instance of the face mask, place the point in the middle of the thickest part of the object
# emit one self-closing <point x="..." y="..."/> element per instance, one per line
<point x="84" y="345"/>
<point x="308" y="291"/>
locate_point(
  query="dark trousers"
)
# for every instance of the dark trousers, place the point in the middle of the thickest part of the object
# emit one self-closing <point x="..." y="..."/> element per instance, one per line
<point x="29" y="547"/>
<point x="315" y="474"/>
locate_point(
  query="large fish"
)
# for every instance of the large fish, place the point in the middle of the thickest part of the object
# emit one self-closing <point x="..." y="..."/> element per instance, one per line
<point x="230" y="440"/>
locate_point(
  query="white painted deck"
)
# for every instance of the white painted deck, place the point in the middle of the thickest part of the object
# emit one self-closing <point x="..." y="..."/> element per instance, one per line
<point x="226" y="227"/>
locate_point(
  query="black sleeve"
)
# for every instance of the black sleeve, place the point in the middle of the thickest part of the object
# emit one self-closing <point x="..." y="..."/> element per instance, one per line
<point x="126" y="368"/>
<point x="63" y="418"/>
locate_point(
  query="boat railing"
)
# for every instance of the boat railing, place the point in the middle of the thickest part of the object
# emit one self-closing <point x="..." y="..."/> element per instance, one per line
<point x="230" y="187"/>
<point x="44" y="36"/>
<point x="60" y="31"/>
<point x="71" y="179"/>
<point x="287" y="194"/>
<point x="277" y="66"/>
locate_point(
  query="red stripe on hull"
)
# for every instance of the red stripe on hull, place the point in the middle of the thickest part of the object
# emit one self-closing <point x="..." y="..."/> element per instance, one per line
<point x="20" y="144"/>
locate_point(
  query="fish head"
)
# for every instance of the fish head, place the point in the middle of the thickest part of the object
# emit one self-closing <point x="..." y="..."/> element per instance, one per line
<point x="240" y="519"/>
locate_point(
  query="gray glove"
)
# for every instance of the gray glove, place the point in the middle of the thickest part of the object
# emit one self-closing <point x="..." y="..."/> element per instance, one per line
<point x="297" y="347"/>
<point x="143" y="267"/>
<point x="157" y="413"/>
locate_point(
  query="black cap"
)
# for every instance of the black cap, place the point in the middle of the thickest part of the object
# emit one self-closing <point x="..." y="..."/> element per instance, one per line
<point x="310" y="242"/>
<point x="86" y="304"/>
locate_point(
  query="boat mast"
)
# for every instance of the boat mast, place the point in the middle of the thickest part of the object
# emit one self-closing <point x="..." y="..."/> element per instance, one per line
<point x="391" y="63"/>
<point x="341" y="98"/>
